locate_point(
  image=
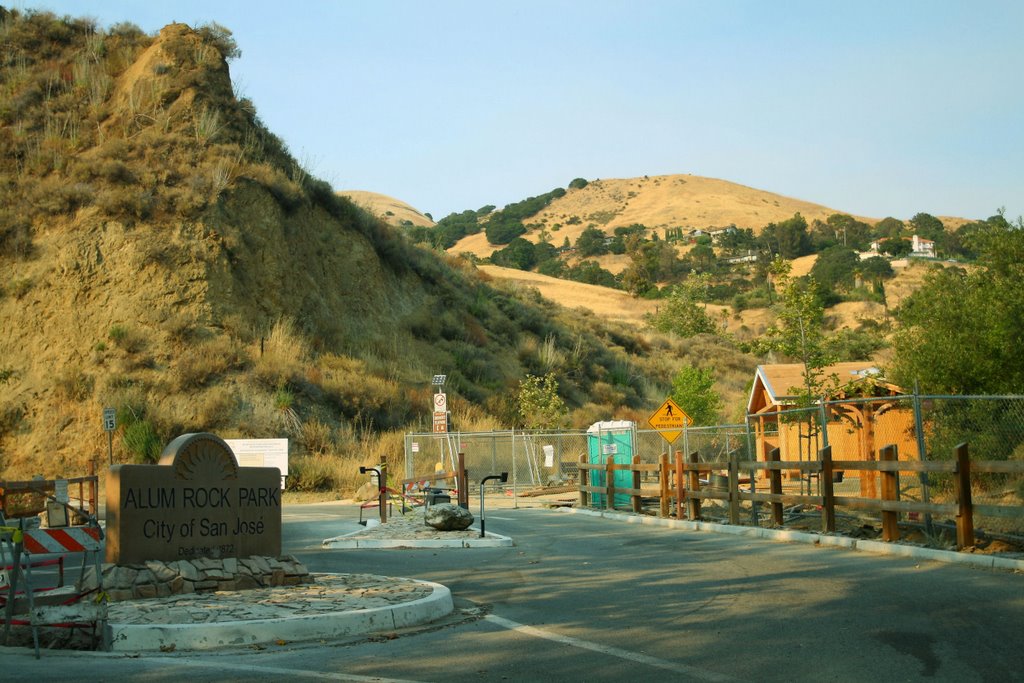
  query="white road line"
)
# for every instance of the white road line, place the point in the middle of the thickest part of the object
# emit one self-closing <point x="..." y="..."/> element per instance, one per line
<point x="289" y="672"/>
<point x="504" y="519"/>
<point x="637" y="657"/>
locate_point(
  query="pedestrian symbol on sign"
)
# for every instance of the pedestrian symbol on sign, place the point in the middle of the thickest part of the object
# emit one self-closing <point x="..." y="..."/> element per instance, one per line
<point x="670" y="420"/>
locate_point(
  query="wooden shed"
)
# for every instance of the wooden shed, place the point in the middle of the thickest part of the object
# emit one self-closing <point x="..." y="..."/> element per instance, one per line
<point x="863" y="412"/>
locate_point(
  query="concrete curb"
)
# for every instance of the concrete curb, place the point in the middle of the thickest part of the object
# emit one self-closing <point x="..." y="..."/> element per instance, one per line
<point x="207" y="636"/>
<point x="879" y="547"/>
<point x="352" y="541"/>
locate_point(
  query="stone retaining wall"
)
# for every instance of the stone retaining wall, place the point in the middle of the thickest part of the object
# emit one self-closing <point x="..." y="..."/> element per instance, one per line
<point x="155" y="579"/>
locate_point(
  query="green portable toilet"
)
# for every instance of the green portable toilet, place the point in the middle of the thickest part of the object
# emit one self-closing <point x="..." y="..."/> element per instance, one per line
<point x="617" y="439"/>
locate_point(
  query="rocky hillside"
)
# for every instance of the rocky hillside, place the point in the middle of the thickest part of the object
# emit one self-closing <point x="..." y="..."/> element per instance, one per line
<point x="165" y="255"/>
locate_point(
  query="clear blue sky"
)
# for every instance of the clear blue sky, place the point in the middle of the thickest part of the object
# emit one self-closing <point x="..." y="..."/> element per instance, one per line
<point x="875" y="108"/>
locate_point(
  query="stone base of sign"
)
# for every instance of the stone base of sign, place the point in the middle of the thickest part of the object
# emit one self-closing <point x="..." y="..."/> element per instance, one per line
<point x="155" y="579"/>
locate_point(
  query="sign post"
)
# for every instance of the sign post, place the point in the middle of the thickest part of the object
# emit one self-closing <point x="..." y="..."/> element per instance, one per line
<point x="109" y="425"/>
<point x="670" y="420"/>
<point x="439" y="402"/>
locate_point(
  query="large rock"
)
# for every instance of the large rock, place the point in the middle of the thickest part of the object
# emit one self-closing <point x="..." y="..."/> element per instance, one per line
<point x="448" y="517"/>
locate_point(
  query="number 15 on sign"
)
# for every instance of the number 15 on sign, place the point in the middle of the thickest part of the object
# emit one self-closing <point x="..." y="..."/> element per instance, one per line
<point x="109" y="425"/>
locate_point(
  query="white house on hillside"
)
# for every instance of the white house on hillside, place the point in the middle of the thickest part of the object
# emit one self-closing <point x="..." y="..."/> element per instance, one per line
<point x="919" y="247"/>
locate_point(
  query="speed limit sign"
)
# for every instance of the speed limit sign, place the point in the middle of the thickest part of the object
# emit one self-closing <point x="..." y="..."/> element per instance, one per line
<point x="440" y="403"/>
<point x="109" y="419"/>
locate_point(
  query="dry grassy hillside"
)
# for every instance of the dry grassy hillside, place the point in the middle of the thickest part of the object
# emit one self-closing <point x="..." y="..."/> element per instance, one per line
<point x="616" y="305"/>
<point x="164" y="255"/>
<point x="658" y="202"/>
<point x="390" y="210"/>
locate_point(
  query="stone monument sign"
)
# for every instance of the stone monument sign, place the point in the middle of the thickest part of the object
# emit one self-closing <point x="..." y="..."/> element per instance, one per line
<point x="197" y="502"/>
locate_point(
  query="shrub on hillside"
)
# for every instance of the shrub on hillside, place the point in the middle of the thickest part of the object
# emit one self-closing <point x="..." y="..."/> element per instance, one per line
<point x="216" y="408"/>
<point x="199" y="364"/>
<point x="141" y="440"/>
<point x="282" y="356"/>
<point x="71" y="384"/>
<point x="15" y="235"/>
<point x="126" y="339"/>
<point x="312" y="473"/>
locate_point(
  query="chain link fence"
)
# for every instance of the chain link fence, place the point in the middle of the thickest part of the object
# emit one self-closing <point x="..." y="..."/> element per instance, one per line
<point x="921" y="427"/>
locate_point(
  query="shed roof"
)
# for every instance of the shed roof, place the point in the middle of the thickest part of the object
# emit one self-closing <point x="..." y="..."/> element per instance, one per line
<point x="773" y="382"/>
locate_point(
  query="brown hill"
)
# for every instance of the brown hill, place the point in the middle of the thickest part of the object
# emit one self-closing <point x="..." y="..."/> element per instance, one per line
<point x="657" y="202"/>
<point x="390" y="210"/>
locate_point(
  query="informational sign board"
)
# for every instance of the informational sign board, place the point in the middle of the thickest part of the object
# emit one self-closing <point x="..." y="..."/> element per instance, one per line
<point x="440" y="402"/>
<point x="670" y="420"/>
<point x="415" y="447"/>
<point x="440" y="423"/>
<point x="60" y="490"/>
<point x="261" y="453"/>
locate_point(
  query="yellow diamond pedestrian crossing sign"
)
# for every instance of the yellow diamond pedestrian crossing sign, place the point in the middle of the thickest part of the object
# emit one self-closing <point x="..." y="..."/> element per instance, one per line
<point x="670" y="420"/>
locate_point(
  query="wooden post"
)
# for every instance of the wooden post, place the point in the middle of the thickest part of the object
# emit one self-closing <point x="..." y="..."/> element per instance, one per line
<point x="635" y="498"/>
<point x="775" y="486"/>
<point x="680" y="485"/>
<point x="664" y="487"/>
<point x="867" y="477"/>
<point x="93" y="486"/>
<point x="828" y="494"/>
<point x="734" y="487"/>
<point x="890" y="491"/>
<point x="692" y="503"/>
<point x="382" y="492"/>
<point x="584" y="483"/>
<point x="962" y="489"/>
<point x="609" y="483"/>
<point x="462" y="481"/>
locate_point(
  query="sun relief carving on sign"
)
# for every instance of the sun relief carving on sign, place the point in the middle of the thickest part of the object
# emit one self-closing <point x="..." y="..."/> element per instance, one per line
<point x="200" y="457"/>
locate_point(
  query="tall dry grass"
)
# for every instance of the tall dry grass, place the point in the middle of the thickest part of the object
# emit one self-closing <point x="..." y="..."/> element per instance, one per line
<point x="281" y="356"/>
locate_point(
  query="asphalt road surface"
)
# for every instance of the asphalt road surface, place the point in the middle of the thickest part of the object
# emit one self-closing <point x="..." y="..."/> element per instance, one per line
<point x="585" y="599"/>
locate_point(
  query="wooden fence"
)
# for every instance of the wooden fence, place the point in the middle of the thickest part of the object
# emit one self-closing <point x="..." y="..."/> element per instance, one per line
<point x="29" y="498"/>
<point x="680" y="482"/>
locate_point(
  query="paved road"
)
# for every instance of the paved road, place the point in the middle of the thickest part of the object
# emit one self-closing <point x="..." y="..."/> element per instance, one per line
<point x="580" y="598"/>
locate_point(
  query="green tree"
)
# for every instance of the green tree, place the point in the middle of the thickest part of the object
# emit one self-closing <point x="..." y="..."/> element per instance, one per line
<point x="788" y="239"/>
<point x="591" y="243"/>
<point x="702" y="255"/>
<point x="961" y="332"/>
<point x="927" y="226"/>
<point x="591" y="273"/>
<point x="842" y="229"/>
<point x="890" y="227"/>
<point x="578" y="183"/>
<point x="540" y="406"/>
<point x="737" y="241"/>
<point x="876" y="268"/>
<point x="799" y="333"/>
<point x="520" y="253"/>
<point x="694" y="390"/>
<point x="834" y="268"/>
<point x="502" y="229"/>
<point x="683" y="312"/>
<point x="895" y="246"/>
